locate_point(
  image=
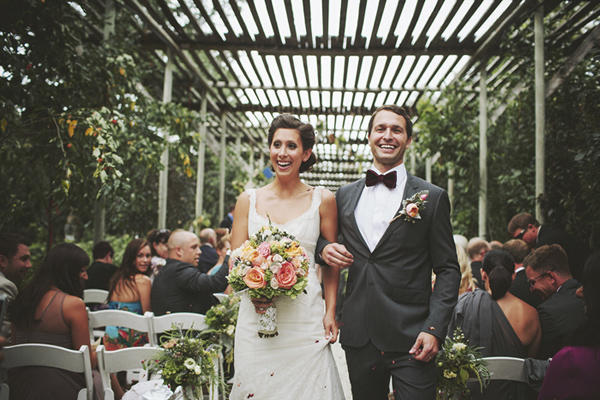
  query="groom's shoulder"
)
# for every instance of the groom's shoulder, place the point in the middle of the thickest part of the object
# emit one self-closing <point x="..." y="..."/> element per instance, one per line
<point x="422" y="184"/>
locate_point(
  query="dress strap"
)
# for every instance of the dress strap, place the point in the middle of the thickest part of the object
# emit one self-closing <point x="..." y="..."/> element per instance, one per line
<point x="48" y="305"/>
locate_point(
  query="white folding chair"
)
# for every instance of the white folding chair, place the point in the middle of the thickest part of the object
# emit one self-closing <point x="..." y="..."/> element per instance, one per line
<point x="507" y="368"/>
<point x="95" y="296"/>
<point x="220" y="296"/>
<point x="121" y="360"/>
<point x="183" y="320"/>
<point x="46" y="355"/>
<point x="102" y="318"/>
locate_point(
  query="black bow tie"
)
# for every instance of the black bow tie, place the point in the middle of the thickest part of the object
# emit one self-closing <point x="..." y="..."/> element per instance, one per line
<point x="388" y="179"/>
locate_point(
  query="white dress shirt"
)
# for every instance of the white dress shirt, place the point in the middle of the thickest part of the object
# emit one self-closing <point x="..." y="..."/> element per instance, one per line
<point x="377" y="206"/>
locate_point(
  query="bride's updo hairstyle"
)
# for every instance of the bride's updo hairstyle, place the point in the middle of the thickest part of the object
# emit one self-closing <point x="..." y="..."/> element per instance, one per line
<point x="499" y="265"/>
<point x="307" y="136"/>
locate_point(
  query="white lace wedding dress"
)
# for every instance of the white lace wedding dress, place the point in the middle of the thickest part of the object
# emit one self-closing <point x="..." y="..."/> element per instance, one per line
<point x="298" y="363"/>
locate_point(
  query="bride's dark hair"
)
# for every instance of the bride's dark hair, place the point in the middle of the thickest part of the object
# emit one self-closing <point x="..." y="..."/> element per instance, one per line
<point x="307" y="136"/>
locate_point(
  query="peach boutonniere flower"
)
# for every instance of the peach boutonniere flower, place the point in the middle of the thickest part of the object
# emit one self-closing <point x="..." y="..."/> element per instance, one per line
<point x="412" y="206"/>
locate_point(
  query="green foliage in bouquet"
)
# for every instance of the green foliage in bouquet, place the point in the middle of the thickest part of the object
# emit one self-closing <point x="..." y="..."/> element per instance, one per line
<point x="270" y="263"/>
<point x="185" y="360"/>
<point x="222" y="319"/>
<point x="457" y="362"/>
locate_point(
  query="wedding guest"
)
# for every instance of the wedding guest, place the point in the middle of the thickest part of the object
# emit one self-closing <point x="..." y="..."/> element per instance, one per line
<point x="102" y="269"/>
<point x="561" y="311"/>
<point x="574" y="370"/>
<point x="498" y="322"/>
<point x="520" y="287"/>
<point x="50" y="310"/>
<point x="477" y="247"/>
<point x="525" y="226"/>
<point x="15" y="261"/>
<point x="130" y="291"/>
<point x="227" y="221"/>
<point x="158" y="248"/>
<point x="209" y="256"/>
<point x="467" y="282"/>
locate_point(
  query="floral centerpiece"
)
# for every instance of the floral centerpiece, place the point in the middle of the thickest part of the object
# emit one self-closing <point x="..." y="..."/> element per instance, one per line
<point x="269" y="264"/>
<point x="222" y="319"/>
<point x="456" y="363"/>
<point x="185" y="360"/>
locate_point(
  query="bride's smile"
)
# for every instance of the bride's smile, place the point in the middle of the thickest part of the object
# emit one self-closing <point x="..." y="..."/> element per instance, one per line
<point x="286" y="150"/>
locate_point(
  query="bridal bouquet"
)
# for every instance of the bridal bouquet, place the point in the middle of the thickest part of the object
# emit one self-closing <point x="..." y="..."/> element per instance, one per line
<point x="457" y="362"/>
<point x="269" y="264"/>
<point x="185" y="360"/>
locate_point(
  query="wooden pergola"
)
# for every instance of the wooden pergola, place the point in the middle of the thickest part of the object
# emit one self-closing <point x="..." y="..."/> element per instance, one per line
<point x="240" y="63"/>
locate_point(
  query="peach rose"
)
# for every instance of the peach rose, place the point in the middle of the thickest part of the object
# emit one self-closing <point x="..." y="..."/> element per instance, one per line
<point x="264" y="249"/>
<point x="295" y="250"/>
<point x="412" y="210"/>
<point x="286" y="277"/>
<point x="258" y="261"/>
<point x="255" y="278"/>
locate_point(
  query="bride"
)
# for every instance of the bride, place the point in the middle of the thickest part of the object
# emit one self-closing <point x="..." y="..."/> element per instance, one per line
<point x="298" y="363"/>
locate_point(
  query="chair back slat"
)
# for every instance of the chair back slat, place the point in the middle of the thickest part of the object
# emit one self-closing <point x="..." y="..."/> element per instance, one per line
<point x="95" y="296"/>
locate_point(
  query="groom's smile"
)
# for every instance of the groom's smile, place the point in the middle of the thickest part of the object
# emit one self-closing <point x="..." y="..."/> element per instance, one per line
<point x="388" y="140"/>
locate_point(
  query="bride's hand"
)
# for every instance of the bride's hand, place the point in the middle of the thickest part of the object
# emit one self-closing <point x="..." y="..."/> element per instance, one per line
<point x="261" y="305"/>
<point x="331" y="328"/>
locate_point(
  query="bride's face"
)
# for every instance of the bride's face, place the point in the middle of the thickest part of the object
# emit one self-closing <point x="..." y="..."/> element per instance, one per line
<point x="286" y="151"/>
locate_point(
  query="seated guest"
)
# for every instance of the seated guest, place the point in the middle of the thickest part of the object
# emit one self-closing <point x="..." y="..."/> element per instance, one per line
<point x="467" y="282"/>
<point x="227" y="221"/>
<point x="561" y="310"/>
<point x="223" y="246"/>
<point x="518" y="249"/>
<point x="102" y="269"/>
<point x="50" y="310"/>
<point x="498" y="322"/>
<point x="15" y="261"/>
<point x="209" y="256"/>
<point x="574" y="370"/>
<point x="157" y="238"/>
<point x="476" y="248"/>
<point x="130" y="291"/>
<point x="181" y="286"/>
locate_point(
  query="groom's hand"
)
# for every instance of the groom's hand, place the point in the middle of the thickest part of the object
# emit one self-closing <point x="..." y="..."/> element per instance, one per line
<point x="336" y="255"/>
<point x="425" y="348"/>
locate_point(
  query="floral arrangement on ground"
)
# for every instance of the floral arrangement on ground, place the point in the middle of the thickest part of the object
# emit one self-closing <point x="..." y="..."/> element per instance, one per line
<point x="457" y="362"/>
<point x="186" y="360"/>
<point x="222" y="319"/>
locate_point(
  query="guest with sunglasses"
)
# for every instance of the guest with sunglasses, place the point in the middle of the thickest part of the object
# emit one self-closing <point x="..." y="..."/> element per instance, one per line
<point x="524" y="226"/>
<point x="561" y="311"/>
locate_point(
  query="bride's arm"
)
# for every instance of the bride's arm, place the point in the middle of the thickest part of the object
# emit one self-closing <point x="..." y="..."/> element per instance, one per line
<point x="239" y="229"/>
<point x="331" y="275"/>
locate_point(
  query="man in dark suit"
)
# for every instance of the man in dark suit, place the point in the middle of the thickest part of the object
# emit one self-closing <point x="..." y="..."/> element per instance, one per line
<point x="392" y="322"/>
<point x="524" y="226"/>
<point x="561" y="311"/>
<point x="227" y="221"/>
<point x="180" y="286"/>
<point x="102" y="269"/>
<point x="208" y="255"/>
<point x="518" y="249"/>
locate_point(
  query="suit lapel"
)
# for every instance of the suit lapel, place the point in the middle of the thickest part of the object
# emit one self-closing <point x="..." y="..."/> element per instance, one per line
<point x="411" y="187"/>
<point x="356" y="192"/>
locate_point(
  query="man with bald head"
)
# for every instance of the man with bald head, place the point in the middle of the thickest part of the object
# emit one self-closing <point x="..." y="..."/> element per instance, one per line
<point x="180" y="286"/>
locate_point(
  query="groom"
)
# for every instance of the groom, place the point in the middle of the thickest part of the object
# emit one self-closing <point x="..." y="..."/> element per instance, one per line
<point x="392" y="321"/>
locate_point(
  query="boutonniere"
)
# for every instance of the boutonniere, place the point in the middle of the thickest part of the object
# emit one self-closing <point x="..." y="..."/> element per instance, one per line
<point x="412" y="206"/>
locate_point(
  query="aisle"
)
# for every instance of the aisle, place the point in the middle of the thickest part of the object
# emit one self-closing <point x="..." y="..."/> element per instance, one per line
<point x="340" y="360"/>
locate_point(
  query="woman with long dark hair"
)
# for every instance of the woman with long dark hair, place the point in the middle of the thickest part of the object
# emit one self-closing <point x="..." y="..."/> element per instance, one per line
<point x="129" y="290"/>
<point x="50" y="310"/>
<point x="498" y="322"/>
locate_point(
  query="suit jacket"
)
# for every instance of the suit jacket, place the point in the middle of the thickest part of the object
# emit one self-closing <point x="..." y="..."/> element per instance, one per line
<point x="10" y="290"/>
<point x="522" y="289"/>
<point x="181" y="287"/>
<point x="208" y="258"/>
<point x="99" y="275"/>
<point x="388" y="298"/>
<point x="559" y="315"/>
<point x="476" y="270"/>
<point x="576" y="250"/>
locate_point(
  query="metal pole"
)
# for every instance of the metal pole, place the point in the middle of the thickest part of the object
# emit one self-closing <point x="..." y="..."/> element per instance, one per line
<point x="483" y="151"/>
<point x="222" y="165"/>
<point x="540" y="111"/>
<point x="163" y="178"/>
<point x="201" y="154"/>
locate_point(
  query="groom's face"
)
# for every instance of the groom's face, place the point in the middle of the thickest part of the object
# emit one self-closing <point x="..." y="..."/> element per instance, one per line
<point x="388" y="140"/>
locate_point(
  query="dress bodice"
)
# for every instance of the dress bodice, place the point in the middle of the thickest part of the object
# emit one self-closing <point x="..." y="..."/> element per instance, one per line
<point x="306" y="227"/>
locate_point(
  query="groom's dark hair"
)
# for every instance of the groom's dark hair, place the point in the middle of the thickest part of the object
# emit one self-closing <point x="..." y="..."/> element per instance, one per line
<point x="307" y="136"/>
<point x="396" y="110"/>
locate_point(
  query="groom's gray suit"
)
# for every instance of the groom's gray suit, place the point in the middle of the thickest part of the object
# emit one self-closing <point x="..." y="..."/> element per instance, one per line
<point x="389" y="299"/>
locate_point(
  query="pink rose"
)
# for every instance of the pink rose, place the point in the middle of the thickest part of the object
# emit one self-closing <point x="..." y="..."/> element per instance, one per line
<point x="255" y="278"/>
<point x="424" y="196"/>
<point x="264" y="249"/>
<point x="412" y="210"/>
<point x="286" y="277"/>
<point x="258" y="261"/>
